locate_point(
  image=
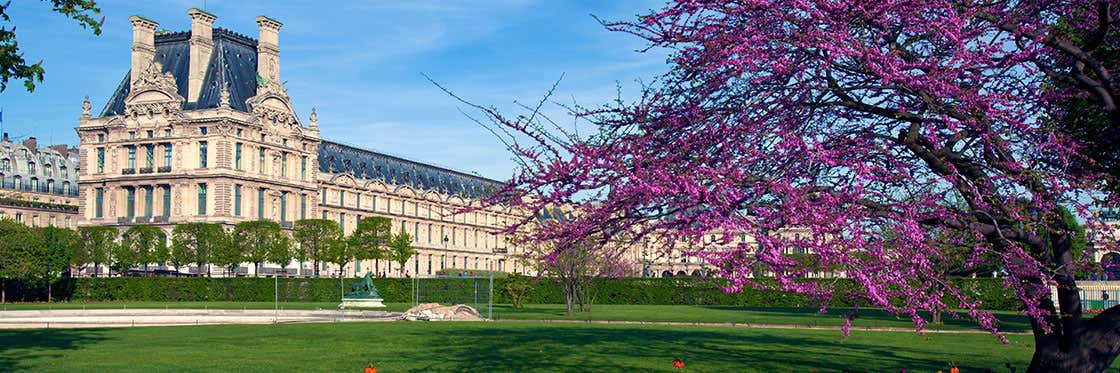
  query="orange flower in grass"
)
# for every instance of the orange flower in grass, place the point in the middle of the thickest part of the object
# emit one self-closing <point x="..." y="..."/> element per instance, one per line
<point x="678" y="364"/>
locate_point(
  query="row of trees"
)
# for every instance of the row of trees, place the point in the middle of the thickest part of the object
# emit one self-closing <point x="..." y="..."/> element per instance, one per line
<point x="49" y="253"/>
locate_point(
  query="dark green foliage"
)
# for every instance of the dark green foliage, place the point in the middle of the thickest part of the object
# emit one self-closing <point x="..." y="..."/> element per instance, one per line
<point x="261" y="241"/>
<point x="141" y="245"/>
<point x="371" y="238"/>
<point x="516" y="287"/>
<point x="201" y="244"/>
<point x="96" y="244"/>
<point x="12" y="64"/>
<point x="36" y="204"/>
<point x="480" y="273"/>
<point x="639" y="291"/>
<point x="400" y="249"/>
<point x="316" y="238"/>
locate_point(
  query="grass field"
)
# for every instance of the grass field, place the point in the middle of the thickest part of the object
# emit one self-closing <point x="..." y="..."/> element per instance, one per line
<point x="705" y="314"/>
<point x="497" y="347"/>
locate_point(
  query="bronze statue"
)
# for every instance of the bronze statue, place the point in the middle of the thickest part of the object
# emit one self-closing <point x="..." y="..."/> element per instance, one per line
<point x="363" y="289"/>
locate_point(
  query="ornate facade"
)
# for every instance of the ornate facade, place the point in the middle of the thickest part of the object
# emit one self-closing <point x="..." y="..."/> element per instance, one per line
<point x="200" y="129"/>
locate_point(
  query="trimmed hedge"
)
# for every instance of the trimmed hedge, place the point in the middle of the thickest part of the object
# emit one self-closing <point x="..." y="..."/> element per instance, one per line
<point x="683" y="291"/>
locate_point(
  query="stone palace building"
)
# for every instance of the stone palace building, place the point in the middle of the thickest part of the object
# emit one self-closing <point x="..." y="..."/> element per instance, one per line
<point x="38" y="186"/>
<point x="200" y="129"/>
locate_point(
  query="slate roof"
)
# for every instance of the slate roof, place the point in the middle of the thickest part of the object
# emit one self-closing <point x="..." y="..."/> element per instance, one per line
<point x="233" y="61"/>
<point x="367" y="164"/>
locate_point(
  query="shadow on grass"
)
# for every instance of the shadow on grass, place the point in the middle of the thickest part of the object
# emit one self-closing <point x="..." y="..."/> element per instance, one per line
<point x="17" y="347"/>
<point x="875" y="316"/>
<point x="653" y="349"/>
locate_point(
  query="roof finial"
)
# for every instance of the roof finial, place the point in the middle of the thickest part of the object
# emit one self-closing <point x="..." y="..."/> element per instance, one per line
<point x="224" y="96"/>
<point x="85" y="108"/>
<point x="314" y="119"/>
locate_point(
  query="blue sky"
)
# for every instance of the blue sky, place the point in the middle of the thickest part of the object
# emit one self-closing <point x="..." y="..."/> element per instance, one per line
<point x="360" y="63"/>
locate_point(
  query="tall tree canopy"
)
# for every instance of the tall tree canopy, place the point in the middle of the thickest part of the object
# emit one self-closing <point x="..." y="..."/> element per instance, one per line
<point x="260" y="241"/>
<point x="96" y="244"/>
<point x="141" y="245"/>
<point x="925" y="118"/>
<point x="316" y="237"/>
<point x="370" y="239"/>
<point x="199" y="243"/>
<point x="400" y="249"/>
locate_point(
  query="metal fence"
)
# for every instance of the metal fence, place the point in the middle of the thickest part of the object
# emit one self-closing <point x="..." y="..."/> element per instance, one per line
<point x="477" y="292"/>
<point x="1098" y="295"/>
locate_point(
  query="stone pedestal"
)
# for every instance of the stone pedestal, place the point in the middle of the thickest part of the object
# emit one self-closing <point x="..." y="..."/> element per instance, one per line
<point x="361" y="302"/>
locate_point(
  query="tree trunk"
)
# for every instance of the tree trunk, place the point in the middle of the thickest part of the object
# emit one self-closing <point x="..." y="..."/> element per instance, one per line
<point x="1073" y="344"/>
<point x="3" y="291"/>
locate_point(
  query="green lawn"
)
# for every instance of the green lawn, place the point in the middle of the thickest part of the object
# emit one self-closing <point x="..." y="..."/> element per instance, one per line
<point x="752" y="315"/>
<point x="497" y="347"/>
<point x="707" y="314"/>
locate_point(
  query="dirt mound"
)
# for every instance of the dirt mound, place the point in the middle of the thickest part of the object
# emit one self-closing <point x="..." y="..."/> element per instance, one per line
<point x="438" y="312"/>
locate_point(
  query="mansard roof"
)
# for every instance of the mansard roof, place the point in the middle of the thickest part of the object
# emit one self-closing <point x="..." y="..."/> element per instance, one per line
<point x="367" y="164"/>
<point x="233" y="61"/>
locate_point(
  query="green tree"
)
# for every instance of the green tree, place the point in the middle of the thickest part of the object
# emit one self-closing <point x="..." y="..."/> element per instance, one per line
<point x="141" y="244"/>
<point x="370" y="238"/>
<point x="19" y="249"/>
<point x="97" y="243"/>
<point x="225" y="254"/>
<point x="400" y="249"/>
<point x="315" y="237"/>
<point x="281" y="252"/>
<point x="197" y="243"/>
<point x="58" y="247"/>
<point x="12" y="63"/>
<point x="341" y="252"/>
<point x="258" y="240"/>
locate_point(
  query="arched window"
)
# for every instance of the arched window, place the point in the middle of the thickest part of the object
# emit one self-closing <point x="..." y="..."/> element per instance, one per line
<point x="50" y="186"/>
<point x="47" y="170"/>
<point x="62" y="172"/>
<point x="66" y="187"/>
<point x="5" y="164"/>
<point x="30" y="168"/>
<point x="18" y="182"/>
<point x="34" y="184"/>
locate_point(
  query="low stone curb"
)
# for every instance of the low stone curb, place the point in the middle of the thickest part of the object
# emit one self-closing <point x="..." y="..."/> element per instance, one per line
<point x="110" y="318"/>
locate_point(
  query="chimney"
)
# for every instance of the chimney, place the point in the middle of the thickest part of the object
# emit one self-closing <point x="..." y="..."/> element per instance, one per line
<point x="268" y="49"/>
<point x="5" y="139"/>
<point x="202" y="45"/>
<point x="31" y="143"/>
<point x="143" y="44"/>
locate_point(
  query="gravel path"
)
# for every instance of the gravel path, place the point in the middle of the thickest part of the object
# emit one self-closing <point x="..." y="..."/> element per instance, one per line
<point x="108" y="318"/>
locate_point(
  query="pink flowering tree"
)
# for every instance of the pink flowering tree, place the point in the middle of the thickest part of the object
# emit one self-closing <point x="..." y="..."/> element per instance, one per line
<point x="888" y="131"/>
